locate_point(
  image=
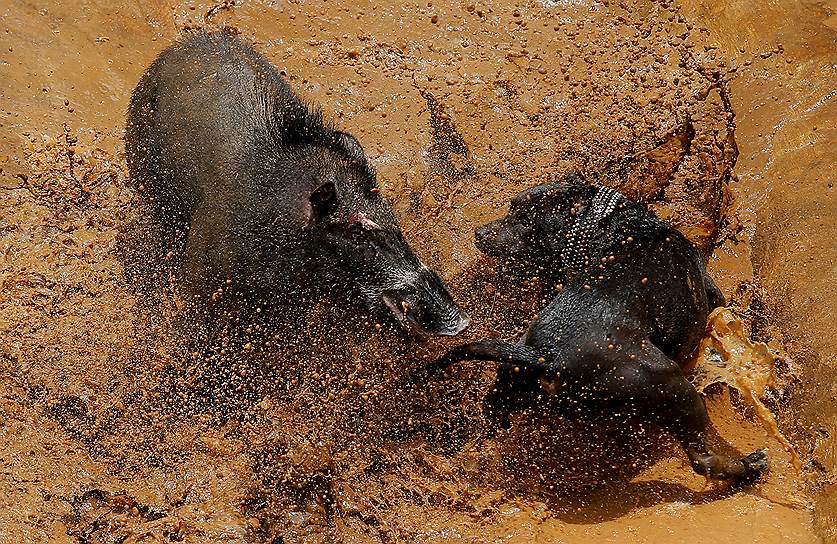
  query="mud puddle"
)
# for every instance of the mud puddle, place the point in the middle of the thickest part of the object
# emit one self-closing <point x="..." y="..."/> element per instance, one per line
<point x="706" y="112"/>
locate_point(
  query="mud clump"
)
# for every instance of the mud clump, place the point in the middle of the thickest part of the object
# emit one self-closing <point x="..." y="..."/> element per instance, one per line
<point x="100" y="516"/>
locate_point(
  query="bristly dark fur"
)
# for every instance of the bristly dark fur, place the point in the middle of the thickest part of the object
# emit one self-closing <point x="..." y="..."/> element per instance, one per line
<point x="306" y="125"/>
<point x="291" y="121"/>
<point x="246" y="189"/>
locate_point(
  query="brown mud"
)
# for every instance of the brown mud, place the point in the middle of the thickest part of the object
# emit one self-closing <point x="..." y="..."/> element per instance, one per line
<point x="719" y="115"/>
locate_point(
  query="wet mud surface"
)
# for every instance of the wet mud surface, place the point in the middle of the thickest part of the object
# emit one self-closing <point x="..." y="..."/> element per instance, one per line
<point x="718" y="115"/>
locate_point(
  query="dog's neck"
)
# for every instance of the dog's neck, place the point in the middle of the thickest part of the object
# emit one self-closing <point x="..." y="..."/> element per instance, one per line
<point x="575" y="253"/>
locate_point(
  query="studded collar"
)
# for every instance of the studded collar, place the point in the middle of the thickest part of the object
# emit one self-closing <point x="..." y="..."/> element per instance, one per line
<point x="575" y="253"/>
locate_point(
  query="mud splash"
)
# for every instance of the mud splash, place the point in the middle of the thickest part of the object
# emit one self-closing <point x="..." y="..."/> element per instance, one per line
<point x="106" y="426"/>
<point x="727" y="356"/>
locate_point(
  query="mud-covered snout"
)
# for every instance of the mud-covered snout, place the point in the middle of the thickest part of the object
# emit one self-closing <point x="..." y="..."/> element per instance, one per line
<point x="424" y="307"/>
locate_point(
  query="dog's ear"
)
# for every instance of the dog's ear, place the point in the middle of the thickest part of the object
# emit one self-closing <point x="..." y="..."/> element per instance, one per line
<point x="536" y="194"/>
<point x="574" y="178"/>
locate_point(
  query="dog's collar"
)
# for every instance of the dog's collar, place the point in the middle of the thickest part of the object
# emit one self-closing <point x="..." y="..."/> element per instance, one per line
<point x="574" y="254"/>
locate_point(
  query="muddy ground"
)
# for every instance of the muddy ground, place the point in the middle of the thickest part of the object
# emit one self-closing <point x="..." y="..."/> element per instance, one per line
<point x="719" y="115"/>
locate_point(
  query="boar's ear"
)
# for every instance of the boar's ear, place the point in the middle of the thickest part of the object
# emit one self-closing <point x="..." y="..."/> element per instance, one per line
<point x="321" y="203"/>
<point x="347" y="145"/>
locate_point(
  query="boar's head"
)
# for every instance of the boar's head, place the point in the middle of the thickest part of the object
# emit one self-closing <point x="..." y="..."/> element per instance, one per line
<point x="359" y="247"/>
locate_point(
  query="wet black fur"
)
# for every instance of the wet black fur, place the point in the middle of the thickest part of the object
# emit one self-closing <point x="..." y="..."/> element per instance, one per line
<point x="246" y="189"/>
<point x="606" y="345"/>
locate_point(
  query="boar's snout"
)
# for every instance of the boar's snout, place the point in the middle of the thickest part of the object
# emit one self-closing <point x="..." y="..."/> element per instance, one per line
<point x="424" y="307"/>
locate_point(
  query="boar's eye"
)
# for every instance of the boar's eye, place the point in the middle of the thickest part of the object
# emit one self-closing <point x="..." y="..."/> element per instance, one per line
<point x="364" y="221"/>
<point x="360" y="231"/>
<point x="357" y="234"/>
<point x="356" y="231"/>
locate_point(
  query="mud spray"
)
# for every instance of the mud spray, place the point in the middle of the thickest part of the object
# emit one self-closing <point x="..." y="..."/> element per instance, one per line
<point x="719" y="115"/>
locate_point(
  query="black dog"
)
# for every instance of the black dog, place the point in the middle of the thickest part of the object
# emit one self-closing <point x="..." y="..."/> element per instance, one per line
<point x="633" y="296"/>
